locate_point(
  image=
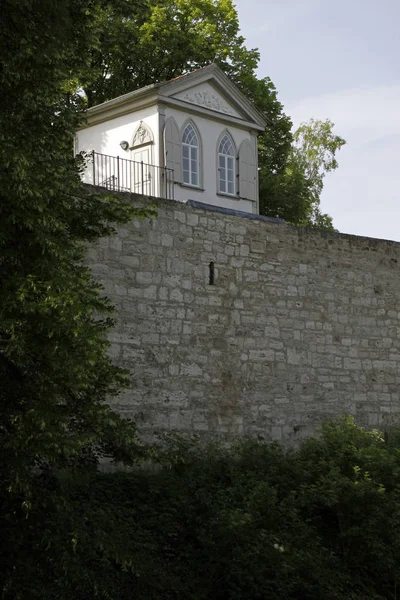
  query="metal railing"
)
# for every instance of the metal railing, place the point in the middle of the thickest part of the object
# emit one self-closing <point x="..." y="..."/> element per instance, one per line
<point x="123" y="175"/>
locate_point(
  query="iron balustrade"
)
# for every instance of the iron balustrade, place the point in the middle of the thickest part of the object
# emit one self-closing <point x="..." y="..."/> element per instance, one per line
<point x="124" y="175"/>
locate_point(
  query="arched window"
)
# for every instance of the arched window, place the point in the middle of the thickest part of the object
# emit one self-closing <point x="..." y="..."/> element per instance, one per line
<point x="190" y="156"/>
<point x="226" y="165"/>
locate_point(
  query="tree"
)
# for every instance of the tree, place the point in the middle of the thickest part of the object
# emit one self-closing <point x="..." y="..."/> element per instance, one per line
<point x="54" y="367"/>
<point x="294" y="193"/>
<point x="147" y="41"/>
<point x="55" y="373"/>
<point x="314" y="154"/>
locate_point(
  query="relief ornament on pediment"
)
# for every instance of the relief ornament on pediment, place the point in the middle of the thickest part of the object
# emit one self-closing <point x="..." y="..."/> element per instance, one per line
<point x="208" y="100"/>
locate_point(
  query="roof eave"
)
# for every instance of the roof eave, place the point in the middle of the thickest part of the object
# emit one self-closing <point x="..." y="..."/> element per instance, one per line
<point x="120" y="106"/>
<point x="124" y="99"/>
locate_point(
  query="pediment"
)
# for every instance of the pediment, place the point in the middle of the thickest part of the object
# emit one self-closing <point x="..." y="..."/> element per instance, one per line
<point x="208" y="96"/>
<point x="210" y="89"/>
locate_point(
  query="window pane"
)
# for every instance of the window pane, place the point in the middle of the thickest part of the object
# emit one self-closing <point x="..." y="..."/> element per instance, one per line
<point x="190" y="156"/>
<point x="222" y="174"/>
<point x="226" y="162"/>
<point x="189" y="136"/>
<point x="226" y="146"/>
<point x="231" y="175"/>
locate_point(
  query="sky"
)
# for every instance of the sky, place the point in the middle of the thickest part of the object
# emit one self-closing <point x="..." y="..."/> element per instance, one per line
<point x="340" y="60"/>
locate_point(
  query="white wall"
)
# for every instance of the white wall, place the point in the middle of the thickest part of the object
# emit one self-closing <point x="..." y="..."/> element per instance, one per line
<point x="209" y="132"/>
<point x="106" y="137"/>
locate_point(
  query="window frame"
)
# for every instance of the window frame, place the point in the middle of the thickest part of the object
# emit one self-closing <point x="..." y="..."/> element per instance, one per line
<point x="191" y="148"/>
<point x="226" y="157"/>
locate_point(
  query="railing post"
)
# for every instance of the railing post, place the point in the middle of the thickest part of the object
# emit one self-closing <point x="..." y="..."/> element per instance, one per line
<point x="142" y="178"/>
<point x="118" y="174"/>
<point x="94" y="169"/>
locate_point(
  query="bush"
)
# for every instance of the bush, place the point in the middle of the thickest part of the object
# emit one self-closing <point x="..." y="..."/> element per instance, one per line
<point x="249" y="523"/>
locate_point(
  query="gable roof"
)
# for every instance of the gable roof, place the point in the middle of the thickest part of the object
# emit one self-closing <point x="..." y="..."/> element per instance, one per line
<point x="228" y="95"/>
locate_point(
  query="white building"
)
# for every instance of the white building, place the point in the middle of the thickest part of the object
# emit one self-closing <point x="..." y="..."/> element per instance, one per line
<point x="191" y="138"/>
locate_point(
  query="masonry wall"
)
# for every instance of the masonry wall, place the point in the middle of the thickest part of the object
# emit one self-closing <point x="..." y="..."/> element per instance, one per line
<point x="300" y="325"/>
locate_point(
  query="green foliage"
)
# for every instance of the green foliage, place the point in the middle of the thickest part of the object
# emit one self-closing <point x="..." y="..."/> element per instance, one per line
<point x="54" y="367"/>
<point x="296" y="189"/>
<point x="314" y="155"/>
<point x="249" y="523"/>
<point x="148" y="41"/>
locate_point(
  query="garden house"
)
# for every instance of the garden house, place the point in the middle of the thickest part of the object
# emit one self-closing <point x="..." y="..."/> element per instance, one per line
<point x="191" y="138"/>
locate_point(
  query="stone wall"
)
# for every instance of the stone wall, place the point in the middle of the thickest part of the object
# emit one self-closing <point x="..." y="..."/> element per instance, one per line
<point x="299" y="325"/>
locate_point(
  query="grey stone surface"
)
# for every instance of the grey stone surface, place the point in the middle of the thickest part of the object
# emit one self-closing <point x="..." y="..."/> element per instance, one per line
<point x="300" y="325"/>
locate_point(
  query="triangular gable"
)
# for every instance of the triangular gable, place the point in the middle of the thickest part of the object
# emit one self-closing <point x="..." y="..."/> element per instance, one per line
<point x="209" y="88"/>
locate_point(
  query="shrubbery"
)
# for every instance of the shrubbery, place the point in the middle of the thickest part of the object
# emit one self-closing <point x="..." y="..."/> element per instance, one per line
<point x="253" y="522"/>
